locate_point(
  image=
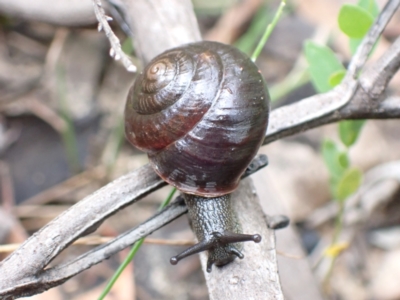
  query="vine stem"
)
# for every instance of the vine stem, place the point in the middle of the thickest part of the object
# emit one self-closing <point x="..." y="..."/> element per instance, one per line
<point x="268" y="31"/>
<point x="336" y="234"/>
<point x="132" y="253"/>
<point x="68" y="133"/>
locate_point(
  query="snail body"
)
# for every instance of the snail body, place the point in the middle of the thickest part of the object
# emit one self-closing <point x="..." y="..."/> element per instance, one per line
<point x="200" y="111"/>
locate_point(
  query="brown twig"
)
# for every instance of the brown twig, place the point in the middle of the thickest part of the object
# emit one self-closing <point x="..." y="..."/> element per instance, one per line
<point x="65" y="13"/>
<point x="46" y="113"/>
<point x="55" y="49"/>
<point x="99" y="240"/>
<point x="7" y="187"/>
<point x="103" y="202"/>
<point x="379" y="185"/>
<point x="231" y="22"/>
<point x="67" y="186"/>
<point x="39" y="211"/>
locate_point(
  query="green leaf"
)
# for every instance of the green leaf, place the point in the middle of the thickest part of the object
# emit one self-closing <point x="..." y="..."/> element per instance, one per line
<point x="127" y="46"/>
<point x="336" y="78"/>
<point x="350" y="130"/>
<point x="344" y="160"/>
<point x="370" y="6"/>
<point x="339" y="162"/>
<point x="354" y="21"/>
<point x="348" y="184"/>
<point x="333" y="159"/>
<point x="322" y="64"/>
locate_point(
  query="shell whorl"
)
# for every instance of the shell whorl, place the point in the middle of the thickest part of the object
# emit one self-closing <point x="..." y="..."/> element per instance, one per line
<point x="163" y="83"/>
<point x="200" y="111"/>
<point x="164" y="106"/>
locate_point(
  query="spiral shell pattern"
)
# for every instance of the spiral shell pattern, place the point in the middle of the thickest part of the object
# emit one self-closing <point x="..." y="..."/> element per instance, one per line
<point x="200" y="111"/>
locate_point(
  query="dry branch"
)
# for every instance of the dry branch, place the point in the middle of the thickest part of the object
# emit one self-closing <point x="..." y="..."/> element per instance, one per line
<point x="256" y="275"/>
<point x="22" y="272"/>
<point x="173" y="23"/>
<point x="65" y="13"/>
<point x="22" y="277"/>
<point x="367" y="101"/>
<point x="343" y="101"/>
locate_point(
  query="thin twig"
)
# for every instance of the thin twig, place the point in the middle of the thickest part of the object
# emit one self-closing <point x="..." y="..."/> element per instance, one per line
<point x="309" y="112"/>
<point x="55" y="50"/>
<point x="62" y="13"/>
<point x="100" y="240"/>
<point x="292" y="119"/>
<point x="132" y="253"/>
<point x="365" y="48"/>
<point x="7" y="187"/>
<point x="95" y="208"/>
<point x="231" y="23"/>
<point x="116" y="50"/>
<point x="68" y="186"/>
<point x="57" y="275"/>
<point x="46" y="113"/>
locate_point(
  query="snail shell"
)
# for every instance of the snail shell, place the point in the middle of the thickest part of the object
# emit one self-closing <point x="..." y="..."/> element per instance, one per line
<point x="200" y="111"/>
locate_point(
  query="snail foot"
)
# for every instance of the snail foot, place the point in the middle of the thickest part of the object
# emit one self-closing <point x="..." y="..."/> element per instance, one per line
<point x="231" y="250"/>
<point x="217" y="243"/>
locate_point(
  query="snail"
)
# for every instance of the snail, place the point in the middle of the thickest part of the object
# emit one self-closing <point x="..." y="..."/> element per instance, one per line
<point x="200" y="111"/>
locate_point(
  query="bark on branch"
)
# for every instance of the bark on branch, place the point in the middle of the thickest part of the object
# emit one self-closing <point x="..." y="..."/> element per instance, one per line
<point x="65" y="13"/>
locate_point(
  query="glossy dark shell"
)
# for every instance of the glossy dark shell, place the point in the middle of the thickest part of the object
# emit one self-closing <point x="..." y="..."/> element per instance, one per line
<point x="200" y="111"/>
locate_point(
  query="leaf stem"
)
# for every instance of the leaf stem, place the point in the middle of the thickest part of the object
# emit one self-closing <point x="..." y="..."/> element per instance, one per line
<point x="268" y="31"/>
<point x="68" y="134"/>
<point x="336" y="234"/>
<point x="132" y="253"/>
